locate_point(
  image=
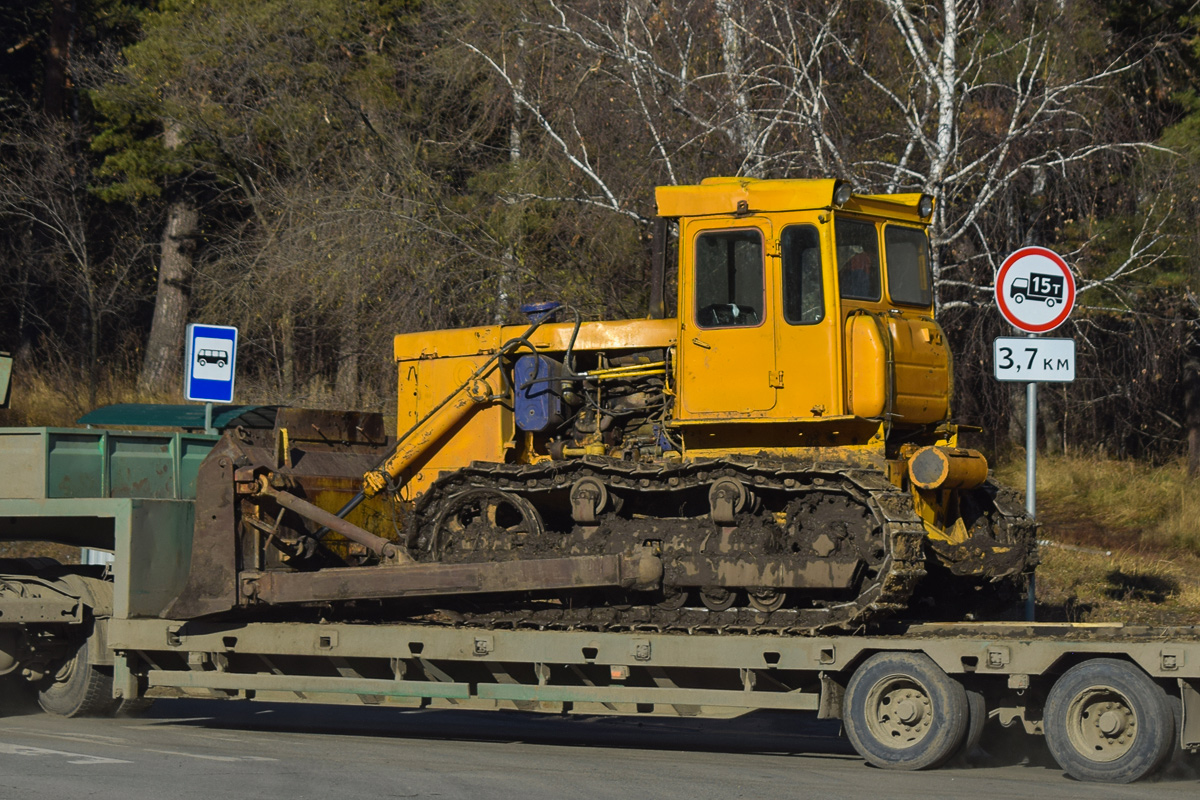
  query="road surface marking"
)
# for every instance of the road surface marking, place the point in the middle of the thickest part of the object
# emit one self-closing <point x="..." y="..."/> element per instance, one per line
<point x="72" y="758"/>
<point x="211" y="758"/>
<point x="86" y="738"/>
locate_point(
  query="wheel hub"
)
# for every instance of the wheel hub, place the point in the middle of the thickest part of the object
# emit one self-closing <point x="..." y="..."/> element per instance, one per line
<point x="908" y="712"/>
<point x="1112" y="723"/>
<point x="1102" y="724"/>
<point x="901" y="711"/>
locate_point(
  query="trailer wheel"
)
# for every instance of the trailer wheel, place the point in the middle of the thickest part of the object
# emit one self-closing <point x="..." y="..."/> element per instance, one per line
<point x="1106" y="720"/>
<point x="903" y="712"/>
<point x="977" y="717"/>
<point x="132" y="707"/>
<point x="78" y="688"/>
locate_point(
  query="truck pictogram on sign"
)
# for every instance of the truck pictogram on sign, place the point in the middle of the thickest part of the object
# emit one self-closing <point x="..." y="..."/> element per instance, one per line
<point x="1047" y="288"/>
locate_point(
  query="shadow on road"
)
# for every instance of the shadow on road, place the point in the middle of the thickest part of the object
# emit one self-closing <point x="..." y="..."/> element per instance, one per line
<point x="756" y="732"/>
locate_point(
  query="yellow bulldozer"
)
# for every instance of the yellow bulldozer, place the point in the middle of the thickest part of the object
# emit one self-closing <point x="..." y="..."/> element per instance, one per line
<point x="777" y="455"/>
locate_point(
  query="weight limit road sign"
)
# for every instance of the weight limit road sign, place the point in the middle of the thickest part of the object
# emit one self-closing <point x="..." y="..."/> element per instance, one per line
<point x="1035" y="290"/>
<point x="208" y="363"/>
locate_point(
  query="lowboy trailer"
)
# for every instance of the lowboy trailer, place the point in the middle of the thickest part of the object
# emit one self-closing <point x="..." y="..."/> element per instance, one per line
<point x="1114" y="701"/>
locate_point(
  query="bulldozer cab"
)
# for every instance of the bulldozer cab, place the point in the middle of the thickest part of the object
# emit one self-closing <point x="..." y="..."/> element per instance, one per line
<point x="799" y="301"/>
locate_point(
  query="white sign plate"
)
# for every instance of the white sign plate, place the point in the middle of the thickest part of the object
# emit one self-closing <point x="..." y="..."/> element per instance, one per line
<point x="1035" y="290"/>
<point x="209" y="363"/>
<point x="1034" y="360"/>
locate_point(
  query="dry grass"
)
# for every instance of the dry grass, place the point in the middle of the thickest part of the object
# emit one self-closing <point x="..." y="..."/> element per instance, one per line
<point x="1115" y="504"/>
<point x="58" y="397"/>
<point x="1123" y="587"/>
<point x="1123" y="540"/>
<point x="51" y="397"/>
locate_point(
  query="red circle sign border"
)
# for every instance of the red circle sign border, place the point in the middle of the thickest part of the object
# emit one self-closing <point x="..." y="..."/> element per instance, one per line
<point x="1068" y="303"/>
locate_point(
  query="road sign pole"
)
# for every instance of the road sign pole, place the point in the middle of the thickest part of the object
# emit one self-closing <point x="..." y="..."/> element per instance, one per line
<point x="208" y="428"/>
<point x="1031" y="479"/>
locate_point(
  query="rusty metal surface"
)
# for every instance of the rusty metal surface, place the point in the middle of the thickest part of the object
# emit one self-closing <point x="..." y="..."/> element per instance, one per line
<point x="321" y="471"/>
<point x="29" y="599"/>
<point x="334" y="428"/>
<point x="423" y="580"/>
<point x="376" y="544"/>
<point x="211" y="585"/>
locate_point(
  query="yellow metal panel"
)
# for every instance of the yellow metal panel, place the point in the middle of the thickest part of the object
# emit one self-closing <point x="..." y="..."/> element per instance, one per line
<point x="808" y="356"/>
<point x="847" y="439"/>
<point x="722" y="196"/>
<point x="449" y="343"/>
<point x="629" y="333"/>
<point x="902" y="207"/>
<point x="552" y="337"/>
<point x="723" y="370"/>
<point x="483" y="435"/>
<point x="866" y="362"/>
<point x="922" y="369"/>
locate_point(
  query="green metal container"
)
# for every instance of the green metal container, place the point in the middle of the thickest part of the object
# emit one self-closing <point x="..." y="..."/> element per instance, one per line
<point x="44" y="463"/>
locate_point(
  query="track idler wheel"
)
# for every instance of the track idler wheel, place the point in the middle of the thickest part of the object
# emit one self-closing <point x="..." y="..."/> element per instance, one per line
<point x="673" y="598"/>
<point x="718" y="598"/>
<point x="589" y="498"/>
<point x="766" y="599"/>
<point x="727" y="498"/>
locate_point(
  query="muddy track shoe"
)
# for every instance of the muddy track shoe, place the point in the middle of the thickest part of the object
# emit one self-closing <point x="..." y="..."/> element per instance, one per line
<point x="748" y="545"/>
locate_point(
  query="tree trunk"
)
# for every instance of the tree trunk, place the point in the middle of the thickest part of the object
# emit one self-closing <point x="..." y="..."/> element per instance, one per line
<point x="164" y="349"/>
<point x="745" y="130"/>
<point x="58" y="52"/>
<point x="287" y="332"/>
<point x="1191" y="406"/>
<point x="507" y="282"/>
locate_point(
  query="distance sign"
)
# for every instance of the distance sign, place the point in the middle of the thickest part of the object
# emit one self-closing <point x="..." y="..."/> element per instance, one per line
<point x="1034" y="360"/>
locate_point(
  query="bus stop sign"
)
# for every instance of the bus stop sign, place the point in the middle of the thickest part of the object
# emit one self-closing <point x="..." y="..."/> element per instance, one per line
<point x="1035" y="290"/>
<point x="208" y="363"/>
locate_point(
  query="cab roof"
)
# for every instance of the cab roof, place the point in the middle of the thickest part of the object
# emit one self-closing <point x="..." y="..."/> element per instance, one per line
<point x="731" y="196"/>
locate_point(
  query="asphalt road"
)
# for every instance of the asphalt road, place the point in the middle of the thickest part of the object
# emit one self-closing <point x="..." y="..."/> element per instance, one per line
<point x="209" y="749"/>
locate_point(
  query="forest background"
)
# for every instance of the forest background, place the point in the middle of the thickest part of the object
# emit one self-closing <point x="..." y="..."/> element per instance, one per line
<point x="327" y="173"/>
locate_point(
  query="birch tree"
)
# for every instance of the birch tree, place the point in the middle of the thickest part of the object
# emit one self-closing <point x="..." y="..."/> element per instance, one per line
<point x="978" y="104"/>
<point x="992" y="104"/>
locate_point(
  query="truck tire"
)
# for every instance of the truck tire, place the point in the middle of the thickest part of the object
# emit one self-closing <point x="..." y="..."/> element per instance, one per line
<point x="78" y="688"/>
<point x="133" y="707"/>
<point x="903" y="712"/>
<point x="1106" y="720"/>
<point x="977" y="717"/>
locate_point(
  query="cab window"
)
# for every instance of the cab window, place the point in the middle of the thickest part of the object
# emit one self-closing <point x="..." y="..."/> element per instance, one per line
<point x="906" y="251"/>
<point x="858" y="259"/>
<point x="729" y="279"/>
<point x="803" y="294"/>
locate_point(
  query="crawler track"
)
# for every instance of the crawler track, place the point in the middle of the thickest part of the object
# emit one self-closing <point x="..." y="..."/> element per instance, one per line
<point x="885" y="548"/>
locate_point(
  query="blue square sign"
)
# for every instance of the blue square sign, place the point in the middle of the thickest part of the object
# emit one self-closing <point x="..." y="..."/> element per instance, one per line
<point x="208" y="363"/>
